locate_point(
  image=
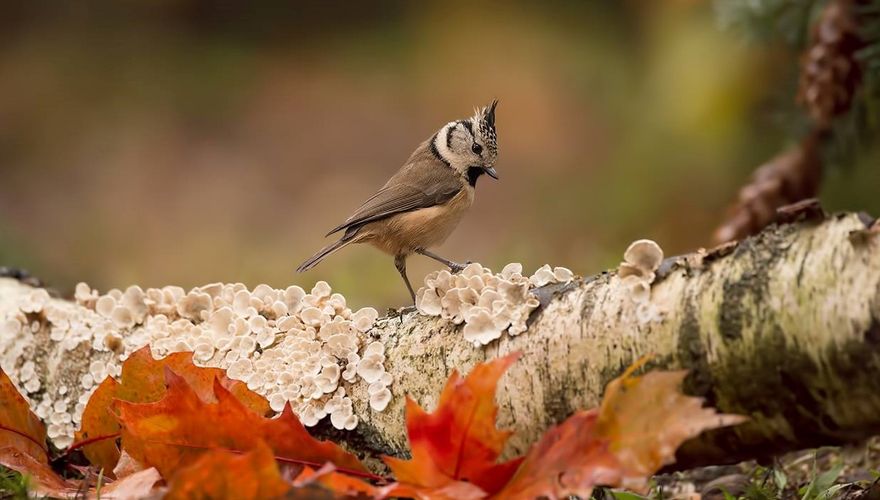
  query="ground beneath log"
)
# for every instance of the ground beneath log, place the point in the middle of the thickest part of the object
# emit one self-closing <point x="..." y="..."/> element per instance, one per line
<point x="849" y="473"/>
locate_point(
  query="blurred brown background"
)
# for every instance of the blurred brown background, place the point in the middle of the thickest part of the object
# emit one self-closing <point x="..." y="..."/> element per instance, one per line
<point x="185" y="142"/>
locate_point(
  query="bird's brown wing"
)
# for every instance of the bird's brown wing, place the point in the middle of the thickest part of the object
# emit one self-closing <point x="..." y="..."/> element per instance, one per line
<point x="420" y="184"/>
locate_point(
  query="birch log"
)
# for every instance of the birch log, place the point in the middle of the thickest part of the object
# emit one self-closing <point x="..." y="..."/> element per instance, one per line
<point x="783" y="327"/>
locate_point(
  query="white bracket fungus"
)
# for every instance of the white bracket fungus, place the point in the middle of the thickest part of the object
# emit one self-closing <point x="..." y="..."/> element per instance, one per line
<point x="291" y="346"/>
<point x="636" y="273"/>
<point x="488" y="304"/>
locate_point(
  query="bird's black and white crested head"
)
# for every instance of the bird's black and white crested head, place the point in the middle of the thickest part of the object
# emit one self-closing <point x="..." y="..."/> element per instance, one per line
<point x="470" y="145"/>
<point x="484" y="121"/>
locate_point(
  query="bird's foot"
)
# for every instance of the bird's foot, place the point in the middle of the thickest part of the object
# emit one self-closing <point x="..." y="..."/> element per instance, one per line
<point x="456" y="268"/>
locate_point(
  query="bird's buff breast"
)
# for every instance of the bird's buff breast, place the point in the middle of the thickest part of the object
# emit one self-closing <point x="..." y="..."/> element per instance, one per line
<point x="424" y="228"/>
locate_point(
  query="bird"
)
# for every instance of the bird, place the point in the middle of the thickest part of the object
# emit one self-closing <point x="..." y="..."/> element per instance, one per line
<point x="421" y="204"/>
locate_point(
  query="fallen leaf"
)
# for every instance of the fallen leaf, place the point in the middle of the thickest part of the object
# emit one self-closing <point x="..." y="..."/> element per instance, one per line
<point x="100" y="428"/>
<point x="44" y="480"/>
<point x="453" y="490"/>
<point x="137" y="485"/>
<point x="458" y="442"/>
<point x="127" y="466"/>
<point x="19" y="427"/>
<point x="338" y="483"/>
<point x="645" y="419"/>
<point x="568" y="460"/>
<point x="23" y="449"/>
<point x="221" y="473"/>
<point x="174" y="431"/>
<point x="637" y="429"/>
<point x="23" y="441"/>
<point x="143" y="381"/>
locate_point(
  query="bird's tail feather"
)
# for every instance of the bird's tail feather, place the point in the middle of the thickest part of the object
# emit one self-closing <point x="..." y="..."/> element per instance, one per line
<point x="316" y="259"/>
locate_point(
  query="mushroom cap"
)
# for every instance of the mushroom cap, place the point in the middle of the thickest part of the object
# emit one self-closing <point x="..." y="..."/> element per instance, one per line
<point x="293" y="296"/>
<point x="440" y="280"/>
<point x="512" y="270"/>
<point x="321" y="290"/>
<point x="364" y="318"/>
<point x="192" y="305"/>
<point x="626" y="270"/>
<point x="563" y="274"/>
<point x="428" y="302"/>
<point x="639" y="289"/>
<point x="379" y="400"/>
<point x="644" y="254"/>
<point x="105" y="305"/>
<point x="543" y="276"/>
<point x="480" y="328"/>
<point x="370" y="368"/>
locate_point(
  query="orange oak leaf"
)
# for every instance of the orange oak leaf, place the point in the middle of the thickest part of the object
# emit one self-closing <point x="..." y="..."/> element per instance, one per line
<point x="137" y="485"/>
<point x="23" y="442"/>
<point x="220" y="473"/>
<point x="454" y="490"/>
<point x="19" y="427"/>
<point x="459" y="441"/>
<point x="636" y="430"/>
<point x="45" y="482"/>
<point x="645" y="419"/>
<point x="23" y="439"/>
<point x="568" y="460"/>
<point x="340" y="484"/>
<point x="174" y="431"/>
<point x="143" y="381"/>
<point x="99" y="428"/>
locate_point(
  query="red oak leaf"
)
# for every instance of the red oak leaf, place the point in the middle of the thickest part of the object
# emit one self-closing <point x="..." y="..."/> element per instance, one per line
<point x="332" y="481"/>
<point x="23" y="449"/>
<point x="100" y="428"/>
<point x="143" y="381"/>
<point x="459" y="442"/>
<point x="640" y="424"/>
<point x="220" y="473"/>
<point x="176" y="430"/>
<point x="43" y="480"/>
<point x="568" y="460"/>
<point x="19" y="427"/>
<point x="23" y="440"/>
<point x="454" y="490"/>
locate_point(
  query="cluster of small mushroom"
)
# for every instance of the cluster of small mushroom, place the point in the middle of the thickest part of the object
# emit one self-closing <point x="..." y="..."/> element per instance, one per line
<point x="637" y="271"/>
<point x="12" y="348"/>
<point x="288" y="345"/>
<point x="22" y="322"/>
<point x="488" y="304"/>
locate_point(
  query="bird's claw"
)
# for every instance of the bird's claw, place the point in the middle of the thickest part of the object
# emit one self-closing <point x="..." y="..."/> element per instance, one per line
<point x="456" y="268"/>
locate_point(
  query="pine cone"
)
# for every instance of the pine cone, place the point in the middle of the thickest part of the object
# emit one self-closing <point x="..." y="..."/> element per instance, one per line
<point x="830" y="73"/>
<point x="787" y="178"/>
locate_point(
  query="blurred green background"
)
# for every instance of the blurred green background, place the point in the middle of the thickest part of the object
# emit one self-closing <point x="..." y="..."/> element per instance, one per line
<point x="186" y="142"/>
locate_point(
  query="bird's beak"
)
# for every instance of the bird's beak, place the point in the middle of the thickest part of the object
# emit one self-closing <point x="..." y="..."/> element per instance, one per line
<point x="491" y="171"/>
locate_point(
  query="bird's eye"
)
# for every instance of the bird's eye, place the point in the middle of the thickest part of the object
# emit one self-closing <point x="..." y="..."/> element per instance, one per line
<point x="476" y="148"/>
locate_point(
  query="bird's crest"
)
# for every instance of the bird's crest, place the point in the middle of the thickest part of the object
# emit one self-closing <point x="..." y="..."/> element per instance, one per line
<point x="484" y="118"/>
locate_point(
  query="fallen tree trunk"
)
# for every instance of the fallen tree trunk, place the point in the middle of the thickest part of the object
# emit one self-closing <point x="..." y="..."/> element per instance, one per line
<point x="783" y="327"/>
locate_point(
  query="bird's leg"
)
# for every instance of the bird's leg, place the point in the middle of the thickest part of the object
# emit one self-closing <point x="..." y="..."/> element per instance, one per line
<point x="400" y="264"/>
<point x="455" y="267"/>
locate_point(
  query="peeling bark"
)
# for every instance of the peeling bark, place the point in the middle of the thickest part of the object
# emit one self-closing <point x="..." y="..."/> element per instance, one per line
<point x="783" y="327"/>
